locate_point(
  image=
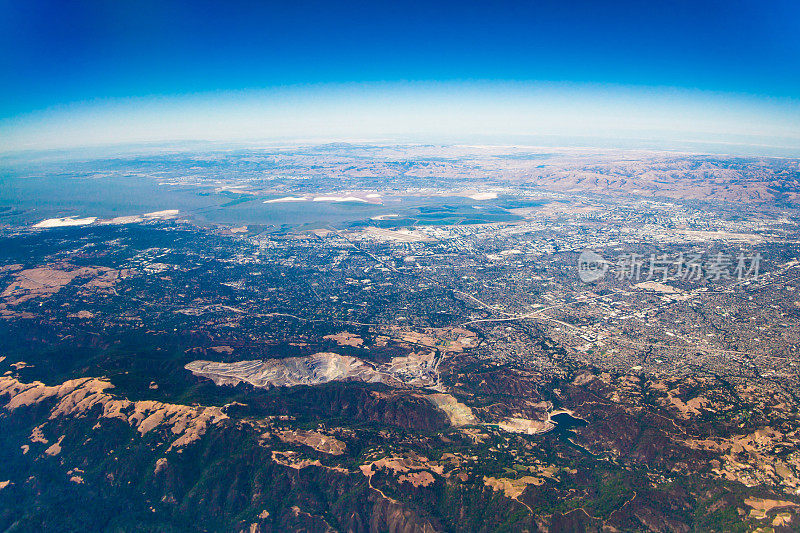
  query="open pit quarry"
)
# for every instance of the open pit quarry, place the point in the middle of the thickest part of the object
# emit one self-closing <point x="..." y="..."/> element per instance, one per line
<point x="415" y="371"/>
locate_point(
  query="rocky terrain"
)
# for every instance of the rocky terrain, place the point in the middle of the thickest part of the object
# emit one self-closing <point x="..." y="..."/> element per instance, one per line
<point x="416" y="371"/>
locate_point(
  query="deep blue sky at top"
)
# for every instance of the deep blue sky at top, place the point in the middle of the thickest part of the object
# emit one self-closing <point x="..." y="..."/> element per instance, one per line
<point x="59" y="52"/>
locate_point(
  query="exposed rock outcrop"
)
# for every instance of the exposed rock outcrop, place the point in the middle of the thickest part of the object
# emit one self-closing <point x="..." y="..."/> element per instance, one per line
<point x="87" y="397"/>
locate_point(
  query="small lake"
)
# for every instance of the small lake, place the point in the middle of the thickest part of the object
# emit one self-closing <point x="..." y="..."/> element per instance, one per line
<point x="565" y="424"/>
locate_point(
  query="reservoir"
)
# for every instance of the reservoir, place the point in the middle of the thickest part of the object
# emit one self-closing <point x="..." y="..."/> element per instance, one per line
<point x="565" y="423"/>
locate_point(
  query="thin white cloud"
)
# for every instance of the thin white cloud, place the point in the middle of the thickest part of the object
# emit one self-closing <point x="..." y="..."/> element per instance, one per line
<point x="412" y="110"/>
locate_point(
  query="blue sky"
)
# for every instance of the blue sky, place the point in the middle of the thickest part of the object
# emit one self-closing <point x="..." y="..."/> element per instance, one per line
<point x="71" y="63"/>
